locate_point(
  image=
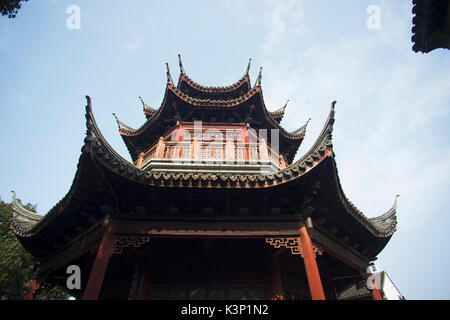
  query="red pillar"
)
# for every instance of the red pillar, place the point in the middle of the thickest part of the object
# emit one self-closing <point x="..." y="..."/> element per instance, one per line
<point x="376" y="294"/>
<point x="246" y="144"/>
<point x="98" y="270"/>
<point x="146" y="283"/>
<point x="273" y="288"/>
<point x="312" y="271"/>
<point x="31" y="290"/>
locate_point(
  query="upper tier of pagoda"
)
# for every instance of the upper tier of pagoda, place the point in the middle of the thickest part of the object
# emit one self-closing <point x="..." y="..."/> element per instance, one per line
<point x="190" y="102"/>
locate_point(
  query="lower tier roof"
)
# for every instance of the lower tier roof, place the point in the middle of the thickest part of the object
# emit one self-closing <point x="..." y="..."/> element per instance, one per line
<point x="106" y="184"/>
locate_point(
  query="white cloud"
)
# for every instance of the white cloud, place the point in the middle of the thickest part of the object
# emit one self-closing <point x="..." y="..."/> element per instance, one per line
<point x="134" y="44"/>
<point x="283" y="20"/>
<point x="384" y="114"/>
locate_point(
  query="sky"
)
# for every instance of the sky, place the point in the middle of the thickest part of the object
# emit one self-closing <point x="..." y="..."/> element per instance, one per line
<point x="391" y="133"/>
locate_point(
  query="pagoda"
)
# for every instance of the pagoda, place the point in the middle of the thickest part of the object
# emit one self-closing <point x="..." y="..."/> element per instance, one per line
<point x="212" y="205"/>
<point x="431" y="25"/>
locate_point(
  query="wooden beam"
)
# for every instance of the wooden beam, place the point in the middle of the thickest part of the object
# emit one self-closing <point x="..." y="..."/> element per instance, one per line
<point x="74" y="249"/>
<point x="340" y="252"/>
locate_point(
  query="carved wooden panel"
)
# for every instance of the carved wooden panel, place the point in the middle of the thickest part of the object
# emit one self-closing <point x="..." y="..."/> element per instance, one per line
<point x="293" y="244"/>
<point x="290" y="243"/>
<point x="129" y="241"/>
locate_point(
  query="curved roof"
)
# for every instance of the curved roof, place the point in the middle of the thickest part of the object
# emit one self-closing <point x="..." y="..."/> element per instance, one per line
<point x="316" y="163"/>
<point x="23" y="219"/>
<point x="148" y="111"/>
<point x="177" y="105"/>
<point x="194" y="89"/>
<point x="278" y="114"/>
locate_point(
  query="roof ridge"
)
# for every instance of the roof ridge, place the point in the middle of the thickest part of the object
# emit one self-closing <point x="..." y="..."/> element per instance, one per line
<point x="190" y="99"/>
<point x="204" y="88"/>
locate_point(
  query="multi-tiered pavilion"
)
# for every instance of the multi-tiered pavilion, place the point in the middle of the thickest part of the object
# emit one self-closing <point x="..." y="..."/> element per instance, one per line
<point x="212" y="206"/>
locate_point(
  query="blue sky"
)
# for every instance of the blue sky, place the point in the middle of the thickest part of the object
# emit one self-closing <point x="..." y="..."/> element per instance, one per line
<point x="391" y="132"/>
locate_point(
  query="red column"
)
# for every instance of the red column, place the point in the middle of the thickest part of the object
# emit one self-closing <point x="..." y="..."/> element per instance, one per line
<point x="376" y="294"/>
<point x="146" y="282"/>
<point x="273" y="288"/>
<point x="31" y="290"/>
<point x="98" y="270"/>
<point x="246" y="144"/>
<point x="312" y="271"/>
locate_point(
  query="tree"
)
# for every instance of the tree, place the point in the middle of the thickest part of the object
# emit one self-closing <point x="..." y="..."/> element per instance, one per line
<point x="17" y="265"/>
<point x="10" y="7"/>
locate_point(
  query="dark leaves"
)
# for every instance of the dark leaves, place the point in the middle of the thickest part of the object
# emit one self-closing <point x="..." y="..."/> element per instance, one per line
<point x="10" y="7"/>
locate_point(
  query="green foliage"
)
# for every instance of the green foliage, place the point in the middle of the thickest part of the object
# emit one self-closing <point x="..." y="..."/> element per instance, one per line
<point x="17" y="265"/>
<point x="10" y="7"/>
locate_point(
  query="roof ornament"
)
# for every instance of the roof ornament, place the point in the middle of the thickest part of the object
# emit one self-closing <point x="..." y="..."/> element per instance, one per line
<point x="258" y="80"/>
<point x="146" y="107"/>
<point x="143" y="103"/>
<point x="88" y="105"/>
<point x="285" y="105"/>
<point x="282" y="109"/>
<point x="169" y="77"/>
<point x="181" y="65"/>
<point x="302" y="130"/>
<point x="279" y="113"/>
<point x="117" y="120"/>
<point x="387" y="221"/>
<point x="248" y="67"/>
<point x="122" y="126"/>
<point x="23" y="215"/>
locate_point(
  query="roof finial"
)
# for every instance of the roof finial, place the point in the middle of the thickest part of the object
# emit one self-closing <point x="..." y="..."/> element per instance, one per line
<point x="396" y="199"/>
<point x="248" y="67"/>
<point x="169" y="77"/>
<point x="88" y="105"/>
<point x="147" y="109"/>
<point x="181" y="65"/>
<point x="258" y="80"/>
<point x="117" y="120"/>
<point x="302" y="130"/>
<point x="285" y="105"/>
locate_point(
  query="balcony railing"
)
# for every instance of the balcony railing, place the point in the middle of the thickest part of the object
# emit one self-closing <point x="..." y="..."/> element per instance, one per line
<point x="215" y="151"/>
